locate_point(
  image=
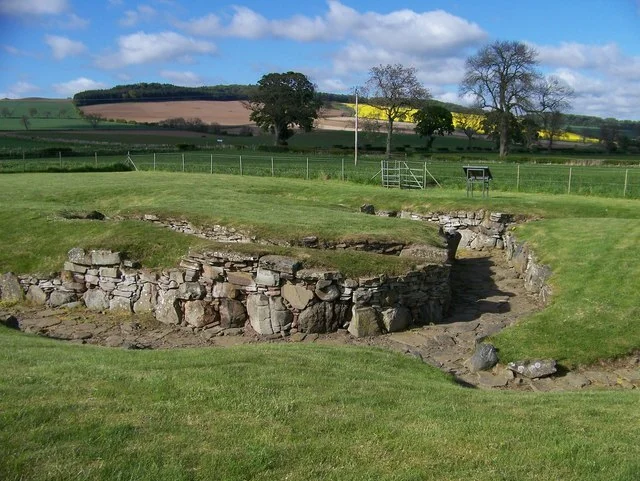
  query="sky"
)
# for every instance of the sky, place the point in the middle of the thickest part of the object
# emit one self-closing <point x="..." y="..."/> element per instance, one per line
<point x="55" y="48"/>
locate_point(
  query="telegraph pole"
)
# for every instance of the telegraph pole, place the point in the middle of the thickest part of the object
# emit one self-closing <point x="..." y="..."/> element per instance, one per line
<point x="355" y="151"/>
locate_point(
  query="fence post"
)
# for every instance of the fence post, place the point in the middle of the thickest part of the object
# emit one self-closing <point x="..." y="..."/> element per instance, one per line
<point x="272" y="171"/>
<point x="60" y="157"/>
<point x="343" y="168"/>
<point x="570" y="172"/>
<point x="626" y="182"/>
<point x="240" y="164"/>
<point x="307" y="168"/>
<point x="424" y="177"/>
<point x="24" y="163"/>
<point x="182" y="162"/>
<point x="518" y="179"/>
<point x="154" y="161"/>
<point x="96" y="155"/>
<point x="212" y="163"/>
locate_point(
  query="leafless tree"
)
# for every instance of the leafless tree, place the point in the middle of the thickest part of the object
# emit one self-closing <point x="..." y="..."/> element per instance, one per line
<point x="26" y="122"/>
<point x="554" y="97"/>
<point x="395" y="90"/>
<point x="502" y="77"/>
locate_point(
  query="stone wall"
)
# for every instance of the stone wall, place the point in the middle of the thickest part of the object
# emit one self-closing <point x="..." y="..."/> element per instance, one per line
<point x="273" y="295"/>
<point x="524" y="261"/>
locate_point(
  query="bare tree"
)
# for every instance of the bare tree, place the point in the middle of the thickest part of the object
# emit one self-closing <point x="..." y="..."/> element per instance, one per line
<point x="33" y="111"/>
<point x="7" y="112"/>
<point x="554" y="97"/>
<point x="26" y="122"/>
<point x="502" y="77"/>
<point x="395" y="90"/>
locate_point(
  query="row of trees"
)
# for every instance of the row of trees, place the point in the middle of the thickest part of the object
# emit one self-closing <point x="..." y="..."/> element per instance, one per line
<point x="501" y="78"/>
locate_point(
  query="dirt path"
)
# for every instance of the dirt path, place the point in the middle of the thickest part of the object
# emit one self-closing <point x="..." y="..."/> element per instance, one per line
<point x="488" y="296"/>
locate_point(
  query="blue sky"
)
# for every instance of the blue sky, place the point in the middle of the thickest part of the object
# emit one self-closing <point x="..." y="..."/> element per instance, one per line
<point x="55" y="48"/>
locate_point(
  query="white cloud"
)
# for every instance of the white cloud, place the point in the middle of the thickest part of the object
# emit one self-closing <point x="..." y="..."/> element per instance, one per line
<point x="187" y="79"/>
<point x="68" y="89"/>
<point x="143" y="13"/>
<point x="427" y="32"/>
<point x="141" y="48"/>
<point x="33" y="7"/>
<point x="19" y="90"/>
<point x="74" y="22"/>
<point x="62" y="47"/>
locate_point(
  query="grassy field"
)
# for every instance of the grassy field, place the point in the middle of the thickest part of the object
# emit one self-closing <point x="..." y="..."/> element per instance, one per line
<point x="297" y="412"/>
<point x="310" y="411"/>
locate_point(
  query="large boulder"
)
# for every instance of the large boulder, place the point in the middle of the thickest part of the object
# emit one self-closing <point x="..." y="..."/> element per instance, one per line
<point x="281" y="317"/>
<point x="10" y="288"/>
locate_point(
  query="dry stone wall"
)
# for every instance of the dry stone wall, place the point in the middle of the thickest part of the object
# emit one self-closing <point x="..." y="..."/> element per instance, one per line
<point x="226" y="292"/>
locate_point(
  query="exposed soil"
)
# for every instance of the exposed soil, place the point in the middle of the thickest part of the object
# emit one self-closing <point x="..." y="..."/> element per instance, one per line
<point x="488" y="296"/>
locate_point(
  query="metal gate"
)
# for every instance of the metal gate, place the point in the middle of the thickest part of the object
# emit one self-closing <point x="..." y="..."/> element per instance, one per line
<point x="398" y="173"/>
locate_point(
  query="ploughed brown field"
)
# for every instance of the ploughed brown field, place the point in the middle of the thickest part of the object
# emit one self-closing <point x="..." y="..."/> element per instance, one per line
<point x="227" y="113"/>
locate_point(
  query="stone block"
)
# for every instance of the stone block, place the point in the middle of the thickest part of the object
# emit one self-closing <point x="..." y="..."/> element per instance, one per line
<point x="36" y="295"/>
<point x="198" y="313"/>
<point x="112" y="272"/>
<point x="259" y="313"/>
<point x="212" y="272"/>
<point x="280" y="264"/>
<point x="191" y="291"/>
<point x="396" y="319"/>
<point x="224" y="290"/>
<point x="122" y="304"/>
<point x="484" y="357"/>
<point x="437" y="255"/>
<point x="168" y="310"/>
<point x="327" y="290"/>
<point x="10" y="288"/>
<point x="96" y="300"/>
<point x="60" y="298"/>
<point x="79" y="256"/>
<point x="365" y="322"/>
<point x="534" y="368"/>
<point x="267" y="277"/>
<point x="104" y="258"/>
<point x="232" y="313"/>
<point x="298" y="296"/>
<point x="70" y="266"/>
<point x="147" y="300"/>
<point x="240" y="278"/>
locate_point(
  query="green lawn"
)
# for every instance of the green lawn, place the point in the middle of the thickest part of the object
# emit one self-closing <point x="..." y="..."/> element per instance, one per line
<point x="307" y="411"/>
<point x="298" y="412"/>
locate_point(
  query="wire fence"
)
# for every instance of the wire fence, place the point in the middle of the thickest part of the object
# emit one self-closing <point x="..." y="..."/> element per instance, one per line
<point x="609" y="181"/>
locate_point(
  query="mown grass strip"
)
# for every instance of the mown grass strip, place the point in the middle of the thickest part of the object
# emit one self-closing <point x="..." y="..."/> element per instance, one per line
<point x="259" y="412"/>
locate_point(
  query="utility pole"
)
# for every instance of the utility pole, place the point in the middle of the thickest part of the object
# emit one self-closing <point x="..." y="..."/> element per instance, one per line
<point x="355" y="151"/>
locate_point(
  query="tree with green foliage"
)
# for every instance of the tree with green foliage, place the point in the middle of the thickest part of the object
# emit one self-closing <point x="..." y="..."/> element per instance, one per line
<point x="94" y="119"/>
<point x="283" y="101"/>
<point x="433" y="120"/>
<point x="395" y="90"/>
<point x="7" y="112"/>
<point x="33" y="111"/>
<point x="502" y="77"/>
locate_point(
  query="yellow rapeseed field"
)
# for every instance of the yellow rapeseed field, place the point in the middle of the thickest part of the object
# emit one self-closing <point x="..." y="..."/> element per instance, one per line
<point x="461" y="121"/>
